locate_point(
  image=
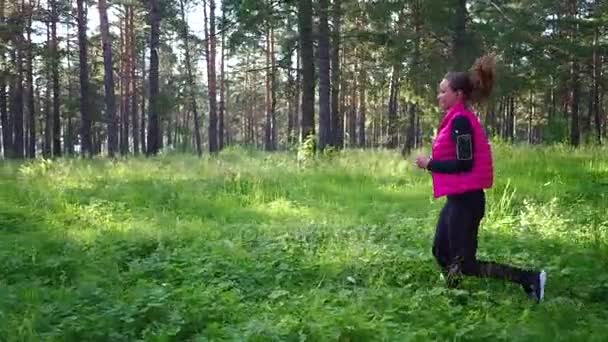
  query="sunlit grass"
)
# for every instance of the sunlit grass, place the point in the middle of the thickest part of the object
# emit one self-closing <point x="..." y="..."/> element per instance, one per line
<point x="255" y="246"/>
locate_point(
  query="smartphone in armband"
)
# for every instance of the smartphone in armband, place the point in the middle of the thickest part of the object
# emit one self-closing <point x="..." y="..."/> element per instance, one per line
<point x="464" y="147"/>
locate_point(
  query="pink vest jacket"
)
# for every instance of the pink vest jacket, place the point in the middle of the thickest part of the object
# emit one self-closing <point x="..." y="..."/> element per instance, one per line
<point x="444" y="148"/>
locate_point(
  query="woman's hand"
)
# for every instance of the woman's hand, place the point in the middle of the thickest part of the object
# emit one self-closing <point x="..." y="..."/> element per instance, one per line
<point x="422" y="161"/>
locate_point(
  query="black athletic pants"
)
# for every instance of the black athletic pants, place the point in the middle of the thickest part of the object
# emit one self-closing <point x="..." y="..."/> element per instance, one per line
<point x="455" y="244"/>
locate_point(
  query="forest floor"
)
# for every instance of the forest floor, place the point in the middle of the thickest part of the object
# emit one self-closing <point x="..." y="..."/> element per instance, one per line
<point x="260" y="247"/>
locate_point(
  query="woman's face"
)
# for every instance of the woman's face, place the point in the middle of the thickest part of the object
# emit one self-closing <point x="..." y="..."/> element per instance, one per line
<point x="446" y="96"/>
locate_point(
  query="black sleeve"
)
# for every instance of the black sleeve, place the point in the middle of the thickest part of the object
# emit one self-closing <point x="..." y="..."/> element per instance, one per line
<point x="462" y="134"/>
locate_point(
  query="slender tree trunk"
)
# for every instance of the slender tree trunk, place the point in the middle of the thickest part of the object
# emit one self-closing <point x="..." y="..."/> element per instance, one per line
<point x="56" y="85"/>
<point x="125" y="82"/>
<point x="153" y="122"/>
<point x="69" y="144"/>
<point x="307" y="122"/>
<point x="511" y="121"/>
<point x="324" y="80"/>
<point x="31" y="109"/>
<point x="343" y="94"/>
<point x="575" y="134"/>
<point x="362" y="105"/>
<point x="392" y="106"/>
<point x="191" y="81"/>
<point x="110" y="97"/>
<point x="121" y="86"/>
<point x="85" y="128"/>
<point x="211" y="76"/>
<point x="411" y="131"/>
<point x="352" y="118"/>
<point x="336" y="127"/>
<point x="596" y="88"/>
<point x="268" y="94"/>
<point x="291" y="106"/>
<point x="6" y="133"/>
<point x="6" y="146"/>
<point x="142" y="131"/>
<point x="133" y="87"/>
<point x="298" y="97"/>
<point x="222" y="105"/>
<point x="273" y="92"/>
<point x="17" y="101"/>
<point x="47" y="148"/>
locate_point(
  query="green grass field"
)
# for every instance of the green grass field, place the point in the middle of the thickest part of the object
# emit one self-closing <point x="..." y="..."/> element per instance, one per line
<point x="255" y="247"/>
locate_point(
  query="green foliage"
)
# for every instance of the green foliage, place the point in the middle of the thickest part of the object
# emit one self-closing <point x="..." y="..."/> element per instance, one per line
<point x="249" y="246"/>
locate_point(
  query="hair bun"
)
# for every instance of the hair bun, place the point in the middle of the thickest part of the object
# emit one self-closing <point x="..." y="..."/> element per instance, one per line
<point x="482" y="75"/>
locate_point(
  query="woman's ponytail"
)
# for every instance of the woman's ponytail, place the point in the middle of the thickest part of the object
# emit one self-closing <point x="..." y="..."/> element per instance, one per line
<point x="481" y="76"/>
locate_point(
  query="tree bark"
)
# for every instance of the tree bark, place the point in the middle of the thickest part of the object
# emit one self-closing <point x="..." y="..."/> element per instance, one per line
<point x="31" y="109"/>
<point x="596" y="88"/>
<point x="392" y="106"/>
<point x="336" y="126"/>
<point x="56" y="85"/>
<point x="153" y="121"/>
<point x="142" y="126"/>
<point x="110" y="97"/>
<point x="191" y="81"/>
<point x="324" y="80"/>
<point x="85" y="128"/>
<point x="222" y="105"/>
<point x="362" y="106"/>
<point x="133" y="84"/>
<point x="17" y="101"/>
<point x="270" y="95"/>
<point x="211" y="75"/>
<point x="307" y="122"/>
<point x="6" y="132"/>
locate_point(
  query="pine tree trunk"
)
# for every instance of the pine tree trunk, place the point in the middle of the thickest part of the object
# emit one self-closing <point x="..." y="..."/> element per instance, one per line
<point x="85" y="128"/>
<point x="273" y="92"/>
<point x="460" y="43"/>
<point x="56" y="85"/>
<point x="6" y="132"/>
<point x="324" y="80"/>
<point x="352" y="112"/>
<point x="596" y="88"/>
<point x="222" y="105"/>
<point x="69" y="144"/>
<point x="392" y="106"/>
<point x="17" y="101"/>
<point x="191" y="81"/>
<point x="336" y="127"/>
<point x="575" y="134"/>
<point x="153" y="121"/>
<point x="133" y="86"/>
<point x="411" y="134"/>
<point x="307" y="122"/>
<point x="125" y="82"/>
<point x="142" y="126"/>
<point x="31" y="109"/>
<point x="211" y="76"/>
<point x="298" y="98"/>
<point x="291" y="106"/>
<point x="110" y="97"/>
<point x="344" y="94"/>
<point x="511" y="121"/>
<point x="362" y="106"/>
<point x="268" y="93"/>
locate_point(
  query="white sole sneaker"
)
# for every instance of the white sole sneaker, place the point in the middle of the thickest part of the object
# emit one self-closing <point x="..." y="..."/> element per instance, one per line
<point x="542" y="279"/>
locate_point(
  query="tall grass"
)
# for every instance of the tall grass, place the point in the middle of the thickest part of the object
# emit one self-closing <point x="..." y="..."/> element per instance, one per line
<point x="262" y="247"/>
